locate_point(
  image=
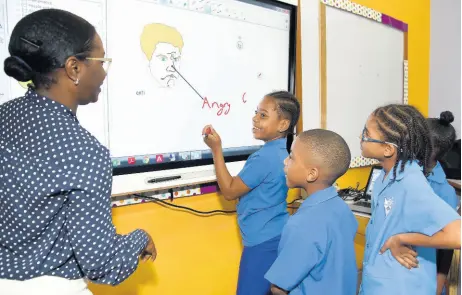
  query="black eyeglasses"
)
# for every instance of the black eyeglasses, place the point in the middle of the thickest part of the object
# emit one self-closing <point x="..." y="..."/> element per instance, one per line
<point x="368" y="139"/>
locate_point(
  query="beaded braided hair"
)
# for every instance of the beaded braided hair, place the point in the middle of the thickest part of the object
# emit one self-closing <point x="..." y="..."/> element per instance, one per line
<point x="405" y="126"/>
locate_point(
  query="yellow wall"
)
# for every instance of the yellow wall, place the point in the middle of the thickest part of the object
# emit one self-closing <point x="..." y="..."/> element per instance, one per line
<point x="200" y="255"/>
<point x="196" y="255"/>
<point x="354" y="176"/>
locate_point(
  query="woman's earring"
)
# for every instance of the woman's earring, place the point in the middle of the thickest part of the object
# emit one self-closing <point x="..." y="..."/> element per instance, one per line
<point x="76" y="82"/>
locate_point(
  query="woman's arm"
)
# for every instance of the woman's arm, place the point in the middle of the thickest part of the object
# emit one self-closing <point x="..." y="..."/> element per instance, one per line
<point x="103" y="255"/>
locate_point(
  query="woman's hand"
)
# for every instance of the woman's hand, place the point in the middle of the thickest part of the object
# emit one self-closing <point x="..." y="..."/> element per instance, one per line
<point x="149" y="252"/>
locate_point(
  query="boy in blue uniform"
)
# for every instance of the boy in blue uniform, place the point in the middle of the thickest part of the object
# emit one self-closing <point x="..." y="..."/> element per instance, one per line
<point x="260" y="187"/>
<point x="405" y="210"/>
<point x="316" y="254"/>
<point x="443" y="136"/>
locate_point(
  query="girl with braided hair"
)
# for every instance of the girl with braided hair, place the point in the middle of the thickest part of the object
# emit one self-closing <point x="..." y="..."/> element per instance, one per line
<point x="443" y="136"/>
<point x="409" y="221"/>
<point x="260" y="187"/>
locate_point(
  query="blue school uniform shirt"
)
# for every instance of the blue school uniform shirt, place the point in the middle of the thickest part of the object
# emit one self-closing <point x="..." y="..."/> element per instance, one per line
<point x="316" y="253"/>
<point x="441" y="186"/>
<point x="55" y="188"/>
<point x="262" y="212"/>
<point x="407" y="204"/>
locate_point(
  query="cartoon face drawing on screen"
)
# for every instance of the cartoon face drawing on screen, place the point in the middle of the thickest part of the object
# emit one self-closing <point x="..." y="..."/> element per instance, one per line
<point x="162" y="46"/>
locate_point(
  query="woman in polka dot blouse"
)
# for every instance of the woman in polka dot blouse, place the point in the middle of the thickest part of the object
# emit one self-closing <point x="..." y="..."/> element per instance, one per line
<point x="56" y="229"/>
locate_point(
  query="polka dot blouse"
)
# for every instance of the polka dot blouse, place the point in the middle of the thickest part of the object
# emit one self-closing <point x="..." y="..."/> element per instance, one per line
<point x="55" y="186"/>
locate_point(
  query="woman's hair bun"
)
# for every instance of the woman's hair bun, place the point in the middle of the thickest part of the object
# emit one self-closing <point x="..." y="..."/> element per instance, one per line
<point x="446" y="118"/>
<point x="17" y="68"/>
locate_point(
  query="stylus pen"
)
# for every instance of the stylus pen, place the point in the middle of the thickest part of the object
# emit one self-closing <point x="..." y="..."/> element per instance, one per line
<point x="162" y="179"/>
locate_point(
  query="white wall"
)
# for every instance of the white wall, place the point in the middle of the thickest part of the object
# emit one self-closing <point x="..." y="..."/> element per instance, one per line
<point x="309" y="10"/>
<point x="445" y="59"/>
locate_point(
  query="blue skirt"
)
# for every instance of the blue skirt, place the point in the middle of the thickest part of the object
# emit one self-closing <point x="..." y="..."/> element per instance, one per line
<point x="255" y="262"/>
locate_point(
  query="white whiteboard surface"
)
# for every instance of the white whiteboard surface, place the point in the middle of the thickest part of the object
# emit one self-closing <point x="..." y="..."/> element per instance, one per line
<point x="364" y="71"/>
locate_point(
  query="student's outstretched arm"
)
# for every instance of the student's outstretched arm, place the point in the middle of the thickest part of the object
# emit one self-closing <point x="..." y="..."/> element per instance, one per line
<point x="231" y="187"/>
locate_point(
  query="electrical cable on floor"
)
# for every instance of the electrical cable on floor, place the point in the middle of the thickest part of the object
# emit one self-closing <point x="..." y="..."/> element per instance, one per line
<point x="156" y="200"/>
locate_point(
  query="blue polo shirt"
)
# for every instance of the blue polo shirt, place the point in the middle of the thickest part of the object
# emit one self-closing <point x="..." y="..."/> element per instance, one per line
<point x="316" y="254"/>
<point x="405" y="205"/>
<point x="262" y="212"/>
<point x="441" y="186"/>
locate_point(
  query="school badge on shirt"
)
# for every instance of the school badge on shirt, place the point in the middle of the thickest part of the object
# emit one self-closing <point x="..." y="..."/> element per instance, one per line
<point x="388" y="204"/>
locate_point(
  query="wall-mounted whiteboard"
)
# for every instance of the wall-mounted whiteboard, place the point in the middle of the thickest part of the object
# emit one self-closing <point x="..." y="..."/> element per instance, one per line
<point x="364" y="69"/>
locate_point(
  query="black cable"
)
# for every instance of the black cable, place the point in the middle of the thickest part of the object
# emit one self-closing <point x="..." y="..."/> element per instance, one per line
<point x="197" y="211"/>
<point x="345" y="192"/>
<point x="185" y="208"/>
<point x="356" y="193"/>
<point x="360" y="194"/>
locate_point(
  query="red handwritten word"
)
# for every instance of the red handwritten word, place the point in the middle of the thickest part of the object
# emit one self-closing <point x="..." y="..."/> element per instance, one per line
<point x="223" y="108"/>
